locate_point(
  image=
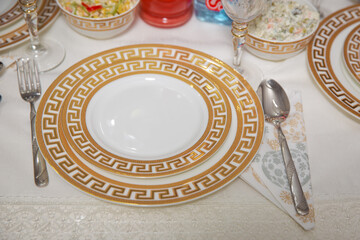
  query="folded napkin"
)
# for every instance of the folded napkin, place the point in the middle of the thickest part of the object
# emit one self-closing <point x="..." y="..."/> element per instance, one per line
<point x="267" y="171"/>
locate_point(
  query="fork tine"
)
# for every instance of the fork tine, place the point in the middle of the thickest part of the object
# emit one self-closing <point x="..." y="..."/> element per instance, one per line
<point x="27" y="71"/>
<point x="20" y="74"/>
<point x="35" y="75"/>
<point x="28" y="75"/>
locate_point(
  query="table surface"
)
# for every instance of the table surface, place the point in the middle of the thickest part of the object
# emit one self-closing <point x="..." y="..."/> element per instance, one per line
<point x="235" y="212"/>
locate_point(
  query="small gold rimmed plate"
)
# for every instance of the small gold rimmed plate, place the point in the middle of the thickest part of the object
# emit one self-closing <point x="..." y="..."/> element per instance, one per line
<point x="158" y="119"/>
<point x="227" y="163"/>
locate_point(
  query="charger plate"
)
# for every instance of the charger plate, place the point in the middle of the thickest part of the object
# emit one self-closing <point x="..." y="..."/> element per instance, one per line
<point x="325" y="59"/>
<point x="158" y="119"/>
<point x="235" y="154"/>
<point x="17" y="33"/>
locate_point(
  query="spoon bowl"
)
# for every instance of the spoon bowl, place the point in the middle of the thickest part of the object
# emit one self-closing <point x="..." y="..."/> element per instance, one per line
<point x="276" y="107"/>
<point x="274" y="101"/>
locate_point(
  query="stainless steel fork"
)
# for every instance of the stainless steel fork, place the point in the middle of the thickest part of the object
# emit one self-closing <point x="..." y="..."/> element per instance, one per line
<point x="30" y="91"/>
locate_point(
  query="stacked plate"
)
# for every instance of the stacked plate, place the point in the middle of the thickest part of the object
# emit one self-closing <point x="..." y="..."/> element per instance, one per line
<point x="13" y="29"/>
<point x="334" y="58"/>
<point x="149" y="125"/>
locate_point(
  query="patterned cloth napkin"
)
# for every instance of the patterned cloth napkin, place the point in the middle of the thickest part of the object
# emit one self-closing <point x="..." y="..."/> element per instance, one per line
<point x="267" y="171"/>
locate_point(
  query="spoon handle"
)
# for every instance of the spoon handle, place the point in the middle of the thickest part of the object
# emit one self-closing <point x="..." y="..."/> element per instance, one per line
<point x="299" y="200"/>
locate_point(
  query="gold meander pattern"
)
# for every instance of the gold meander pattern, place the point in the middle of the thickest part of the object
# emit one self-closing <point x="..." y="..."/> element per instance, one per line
<point x="71" y="168"/>
<point x="46" y="14"/>
<point x="276" y="48"/>
<point x="9" y="16"/>
<point x="351" y="52"/>
<point x="99" y="25"/>
<point x="80" y="139"/>
<point x="319" y="62"/>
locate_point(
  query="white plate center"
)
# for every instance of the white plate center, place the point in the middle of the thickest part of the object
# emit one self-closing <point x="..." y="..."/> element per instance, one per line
<point x="147" y="116"/>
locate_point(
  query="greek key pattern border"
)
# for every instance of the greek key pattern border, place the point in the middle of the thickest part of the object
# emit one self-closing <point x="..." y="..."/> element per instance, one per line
<point x="81" y="140"/>
<point x="99" y="25"/>
<point x="275" y="48"/>
<point x="319" y="54"/>
<point x="67" y="164"/>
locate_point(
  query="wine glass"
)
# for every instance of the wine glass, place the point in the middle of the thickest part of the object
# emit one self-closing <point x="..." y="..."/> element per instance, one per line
<point x="48" y="54"/>
<point x="242" y="12"/>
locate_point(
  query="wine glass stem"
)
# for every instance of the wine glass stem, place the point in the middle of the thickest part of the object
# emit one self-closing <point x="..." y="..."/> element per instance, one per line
<point x="239" y="31"/>
<point x="32" y="23"/>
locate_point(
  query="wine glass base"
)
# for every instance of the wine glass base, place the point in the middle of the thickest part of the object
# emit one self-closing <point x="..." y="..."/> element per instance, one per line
<point x="251" y="72"/>
<point x="48" y="56"/>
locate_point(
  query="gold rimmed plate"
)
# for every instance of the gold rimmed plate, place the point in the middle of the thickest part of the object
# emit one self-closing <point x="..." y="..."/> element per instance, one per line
<point x="235" y="154"/>
<point x="17" y="33"/>
<point x="325" y="59"/>
<point x="351" y="52"/>
<point x="158" y="119"/>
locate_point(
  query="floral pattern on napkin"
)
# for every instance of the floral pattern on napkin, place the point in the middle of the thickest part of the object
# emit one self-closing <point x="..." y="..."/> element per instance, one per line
<point x="267" y="171"/>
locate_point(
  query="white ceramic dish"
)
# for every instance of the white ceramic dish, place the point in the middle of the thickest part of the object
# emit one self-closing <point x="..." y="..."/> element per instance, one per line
<point x="100" y="28"/>
<point x="225" y="165"/>
<point x="278" y="50"/>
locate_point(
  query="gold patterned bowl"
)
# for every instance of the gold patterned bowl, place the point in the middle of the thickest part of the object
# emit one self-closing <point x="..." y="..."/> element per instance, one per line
<point x="279" y="50"/>
<point x="100" y="28"/>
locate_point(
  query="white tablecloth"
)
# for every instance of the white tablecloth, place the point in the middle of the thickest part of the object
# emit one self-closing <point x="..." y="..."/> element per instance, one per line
<point x="235" y="212"/>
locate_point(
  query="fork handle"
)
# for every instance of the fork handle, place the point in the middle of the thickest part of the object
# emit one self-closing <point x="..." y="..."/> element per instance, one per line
<point x="297" y="194"/>
<point x="40" y="172"/>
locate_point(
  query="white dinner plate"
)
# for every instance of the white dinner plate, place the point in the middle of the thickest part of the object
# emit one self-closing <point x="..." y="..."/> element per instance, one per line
<point x="325" y="59"/>
<point x="9" y="12"/>
<point x="235" y="154"/>
<point x="149" y="122"/>
<point x="16" y="33"/>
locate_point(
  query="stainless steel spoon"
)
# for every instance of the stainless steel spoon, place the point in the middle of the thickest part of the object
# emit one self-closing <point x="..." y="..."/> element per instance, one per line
<point x="276" y="108"/>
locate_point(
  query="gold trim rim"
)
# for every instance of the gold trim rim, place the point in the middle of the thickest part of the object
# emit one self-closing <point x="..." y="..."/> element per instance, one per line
<point x="302" y="44"/>
<point x="129" y="18"/>
<point x="283" y="43"/>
